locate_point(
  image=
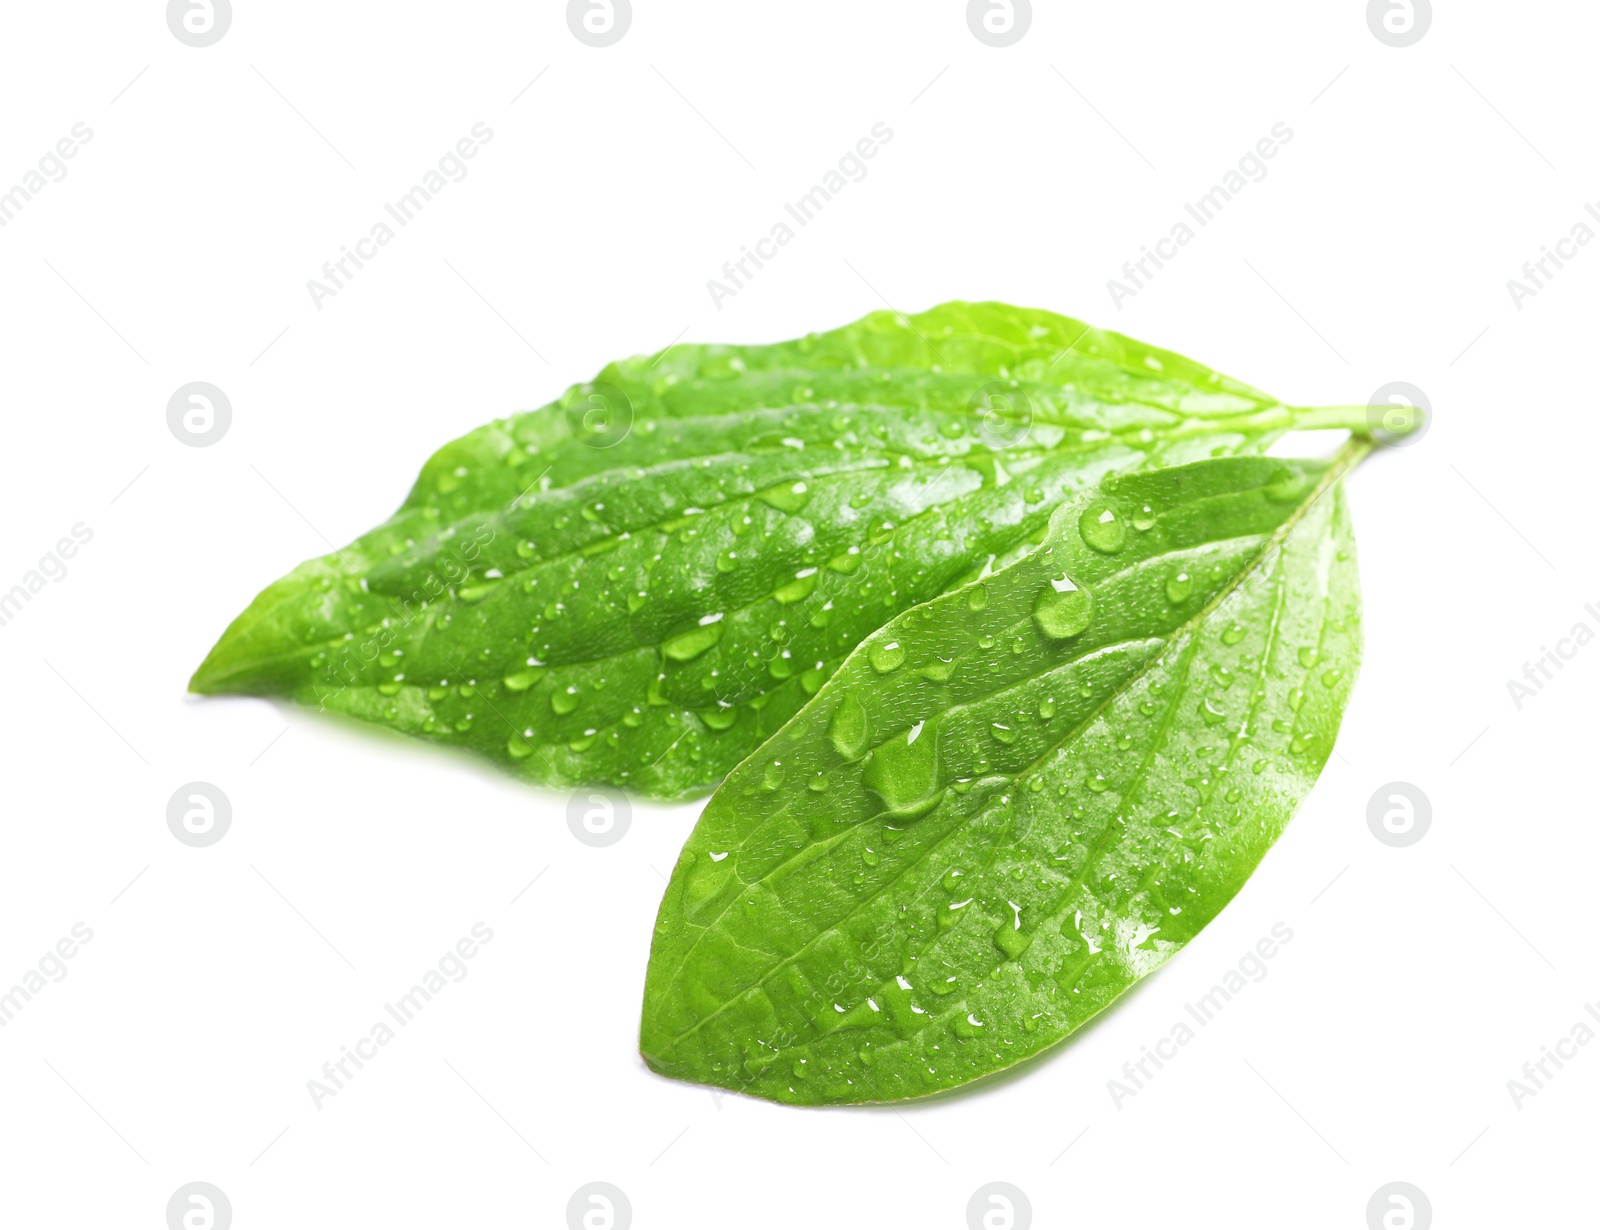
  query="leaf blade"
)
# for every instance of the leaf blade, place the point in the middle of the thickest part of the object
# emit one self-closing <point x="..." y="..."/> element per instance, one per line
<point x="901" y="951"/>
<point x="918" y="442"/>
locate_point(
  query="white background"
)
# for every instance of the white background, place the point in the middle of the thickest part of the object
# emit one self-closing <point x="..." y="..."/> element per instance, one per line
<point x="219" y="982"/>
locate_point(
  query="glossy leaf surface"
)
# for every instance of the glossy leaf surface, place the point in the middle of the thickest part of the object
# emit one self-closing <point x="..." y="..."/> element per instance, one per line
<point x="1011" y="803"/>
<point x="640" y="583"/>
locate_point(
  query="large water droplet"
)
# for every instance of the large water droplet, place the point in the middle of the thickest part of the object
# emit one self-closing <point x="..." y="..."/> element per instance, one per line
<point x="521" y="681"/>
<point x="691" y="644"/>
<point x="1062" y="609"/>
<point x="804" y="582"/>
<point x="786" y="497"/>
<point x="719" y="718"/>
<point x="1179" y="586"/>
<point x="886" y="656"/>
<point x="904" y="773"/>
<point x="1102" y="529"/>
<point x="850" y="729"/>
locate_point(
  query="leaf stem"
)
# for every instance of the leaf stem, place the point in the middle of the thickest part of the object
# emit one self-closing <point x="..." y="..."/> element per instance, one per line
<point x="1318" y="418"/>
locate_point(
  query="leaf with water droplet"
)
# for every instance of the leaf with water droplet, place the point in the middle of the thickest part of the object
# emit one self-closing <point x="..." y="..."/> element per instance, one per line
<point x="1128" y="775"/>
<point x="594" y="532"/>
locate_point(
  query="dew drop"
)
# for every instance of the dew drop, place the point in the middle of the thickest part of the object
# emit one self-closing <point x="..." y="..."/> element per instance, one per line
<point x="522" y="680"/>
<point x="904" y="773"/>
<point x="850" y="730"/>
<point x="1062" y="609"/>
<point x="1102" y="529"/>
<point x="886" y="656"/>
<point x="720" y="718"/>
<point x="786" y="497"/>
<point x="848" y="562"/>
<point x="689" y="645"/>
<point x="804" y="582"/>
<point x="564" y="700"/>
<point x="1179" y="586"/>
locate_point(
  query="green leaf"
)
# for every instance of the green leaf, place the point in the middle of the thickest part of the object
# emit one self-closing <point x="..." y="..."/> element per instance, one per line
<point x="640" y="583"/>
<point x="1014" y="801"/>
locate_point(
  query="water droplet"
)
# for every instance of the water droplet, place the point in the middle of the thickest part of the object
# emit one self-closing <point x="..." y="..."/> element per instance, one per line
<point x="689" y="645"/>
<point x="818" y="784"/>
<point x="478" y="592"/>
<point x="1232" y="635"/>
<point x="1333" y="675"/>
<point x="904" y="773"/>
<point x="1062" y="609"/>
<point x="1179" y="586"/>
<point x="848" y="562"/>
<point x="804" y="582"/>
<point x="986" y="641"/>
<point x="977" y="597"/>
<point x="1098" y="784"/>
<point x="564" y="700"/>
<point x="1010" y="937"/>
<point x="886" y="656"/>
<point x="1047" y="709"/>
<point x="786" y="497"/>
<point x="518" y="748"/>
<point x="720" y="718"/>
<point x="1212" y="712"/>
<point x="1003" y="732"/>
<point x="1307" y="656"/>
<point x="1144" y="519"/>
<point x="522" y="680"/>
<point x="1102" y="529"/>
<point x="850" y="729"/>
<point x="727" y="561"/>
